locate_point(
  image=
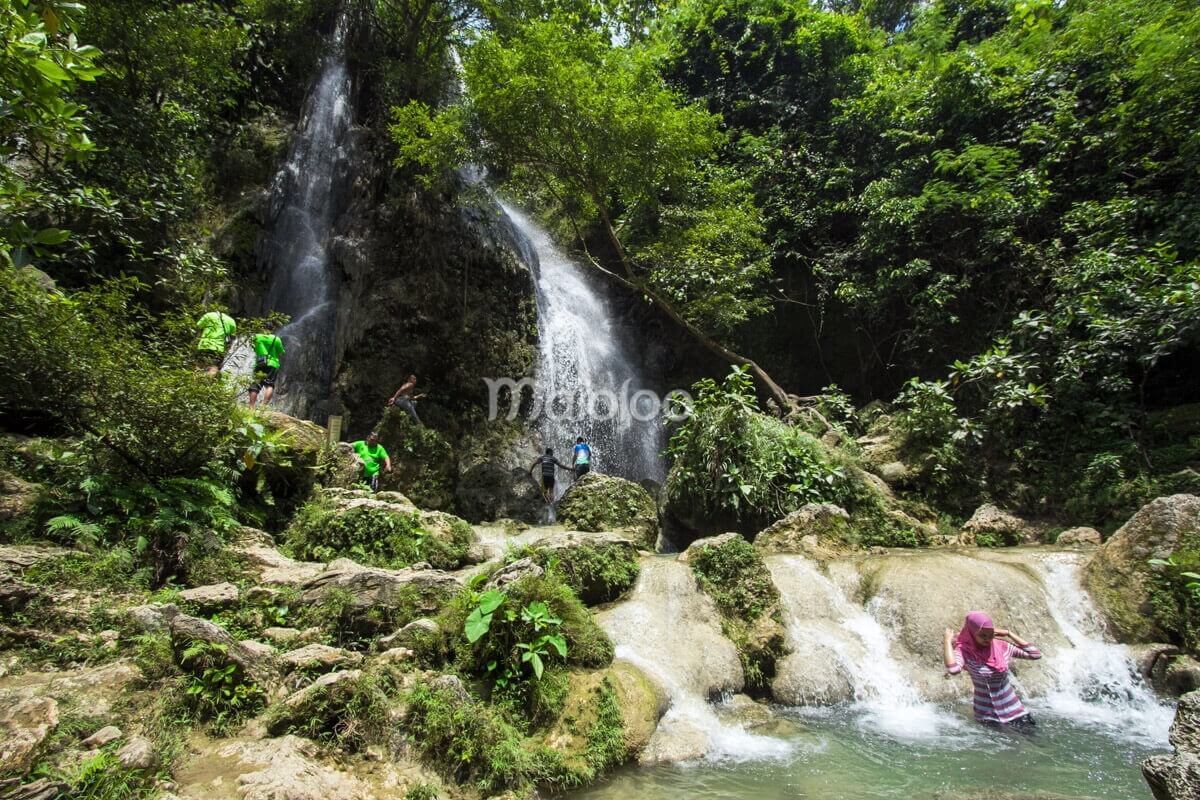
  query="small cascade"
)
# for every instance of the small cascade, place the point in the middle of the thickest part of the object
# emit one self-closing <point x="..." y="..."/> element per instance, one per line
<point x="309" y="193"/>
<point x="669" y="630"/>
<point x="823" y="621"/>
<point x="589" y="382"/>
<point x="1098" y="684"/>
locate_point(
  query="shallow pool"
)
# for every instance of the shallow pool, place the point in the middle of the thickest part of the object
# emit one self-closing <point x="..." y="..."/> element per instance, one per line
<point x="841" y="754"/>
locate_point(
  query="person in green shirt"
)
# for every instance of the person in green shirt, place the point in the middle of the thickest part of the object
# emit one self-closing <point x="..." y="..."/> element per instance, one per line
<point x="371" y="454"/>
<point x="217" y="330"/>
<point x="268" y="349"/>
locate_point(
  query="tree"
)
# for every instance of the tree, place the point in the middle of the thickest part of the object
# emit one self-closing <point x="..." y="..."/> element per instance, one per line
<point x="593" y="125"/>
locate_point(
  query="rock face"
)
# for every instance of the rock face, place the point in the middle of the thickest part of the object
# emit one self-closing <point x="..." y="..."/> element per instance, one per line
<point x="420" y="590"/>
<point x="214" y="597"/>
<point x="1118" y="575"/>
<point x="24" y="725"/>
<point x="599" y="567"/>
<point x="1177" y="776"/>
<point x="598" y="502"/>
<point x="251" y="660"/>
<point x="286" y="768"/>
<point x="811" y="529"/>
<point x="490" y="491"/>
<point x="17" y="496"/>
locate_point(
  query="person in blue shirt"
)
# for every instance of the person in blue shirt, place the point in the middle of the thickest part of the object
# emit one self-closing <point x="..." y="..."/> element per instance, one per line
<point x="583" y="458"/>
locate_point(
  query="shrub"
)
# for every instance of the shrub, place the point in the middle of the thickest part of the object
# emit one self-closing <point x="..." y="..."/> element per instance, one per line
<point x="218" y="691"/>
<point x="349" y="713"/>
<point x="1175" y="596"/>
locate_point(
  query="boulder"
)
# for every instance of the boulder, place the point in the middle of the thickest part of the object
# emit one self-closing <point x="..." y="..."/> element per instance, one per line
<point x="258" y="649"/>
<point x="138" y="754"/>
<point x="15" y="594"/>
<point x="152" y="618"/>
<point x="1079" y="537"/>
<point x="489" y="491"/>
<point x="396" y="655"/>
<point x="817" y="529"/>
<point x="1118" y="575"/>
<point x="17" y="496"/>
<point x="41" y="789"/>
<point x="24" y="726"/>
<point x="1177" y="776"/>
<point x="599" y="567"/>
<point x="419" y="590"/>
<point x="281" y="636"/>
<point x="276" y="569"/>
<point x="320" y="686"/>
<point x="106" y="735"/>
<point x="1001" y="526"/>
<point x="641" y="704"/>
<point x="708" y="542"/>
<point x="186" y="629"/>
<point x="20" y="557"/>
<point x="511" y="573"/>
<point x="599" y="502"/>
<point x="320" y="656"/>
<point x="211" y="598"/>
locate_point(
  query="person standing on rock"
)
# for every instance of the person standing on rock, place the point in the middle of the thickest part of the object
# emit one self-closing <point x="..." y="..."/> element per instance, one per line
<point x="980" y="649"/>
<point x="268" y="350"/>
<point x="405" y="399"/>
<point x="371" y="455"/>
<point x="217" y="330"/>
<point x="583" y="458"/>
<point x="549" y="464"/>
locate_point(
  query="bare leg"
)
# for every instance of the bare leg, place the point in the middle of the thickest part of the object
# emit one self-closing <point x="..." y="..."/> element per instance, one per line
<point x="254" y="398"/>
<point x="267" y="392"/>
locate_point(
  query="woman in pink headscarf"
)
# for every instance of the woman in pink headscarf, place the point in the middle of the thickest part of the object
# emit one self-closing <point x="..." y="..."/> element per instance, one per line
<point x="981" y="647"/>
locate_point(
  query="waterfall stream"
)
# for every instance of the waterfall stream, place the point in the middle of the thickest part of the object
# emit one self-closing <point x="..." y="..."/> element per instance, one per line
<point x="589" y="383"/>
<point x="307" y="196"/>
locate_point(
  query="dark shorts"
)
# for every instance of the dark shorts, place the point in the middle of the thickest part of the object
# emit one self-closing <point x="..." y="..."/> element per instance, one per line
<point x="547" y="482"/>
<point x="264" y="377"/>
<point x="582" y="469"/>
<point x="373" y="482"/>
<point x="210" y="358"/>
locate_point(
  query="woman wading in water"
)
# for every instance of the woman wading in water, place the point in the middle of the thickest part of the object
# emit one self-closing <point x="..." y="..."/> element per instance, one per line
<point x="980" y="649"/>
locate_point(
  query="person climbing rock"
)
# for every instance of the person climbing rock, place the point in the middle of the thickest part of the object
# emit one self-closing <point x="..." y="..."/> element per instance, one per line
<point x="268" y="350"/>
<point x="405" y="399"/>
<point x="548" y="463"/>
<point x="370" y="454"/>
<point x="978" y="648"/>
<point x="583" y="458"/>
<point x="217" y="330"/>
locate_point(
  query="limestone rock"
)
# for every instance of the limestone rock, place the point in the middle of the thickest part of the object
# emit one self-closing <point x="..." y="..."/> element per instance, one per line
<point x="806" y="529"/>
<point x="714" y="542"/>
<point x="24" y="726"/>
<point x="281" y="636"/>
<point x="152" y="618"/>
<point x="251" y="661"/>
<point x="17" y="496"/>
<point x="640" y="701"/>
<point x="106" y="735"/>
<point x="138" y="753"/>
<point x="19" y="557"/>
<point x="320" y="656"/>
<point x="396" y="655"/>
<point x="41" y="789"/>
<point x="254" y="537"/>
<point x="1007" y="528"/>
<point x="1086" y="537"/>
<point x="211" y="598"/>
<point x="321" y="685"/>
<point x="511" y="573"/>
<point x="260" y="650"/>
<point x="276" y="569"/>
<point x="286" y="768"/>
<point x="1118" y="575"/>
<point x="599" y="502"/>
<point x="372" y="587"/>
<point x="1177" y="776"/>
<point x="15" y="594"/>
<point x="599" y="567"/>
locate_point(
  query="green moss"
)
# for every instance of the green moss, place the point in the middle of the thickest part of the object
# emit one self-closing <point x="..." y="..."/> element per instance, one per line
<point x="350" y="713"/>
<point x="376" y="535"/>
<point x="735" y="576"/>
<point x="596" y="573"/>
<point x="606" y="503"/>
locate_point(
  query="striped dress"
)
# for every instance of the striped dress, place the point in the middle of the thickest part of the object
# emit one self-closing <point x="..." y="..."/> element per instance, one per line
<point x="995" y="700"/>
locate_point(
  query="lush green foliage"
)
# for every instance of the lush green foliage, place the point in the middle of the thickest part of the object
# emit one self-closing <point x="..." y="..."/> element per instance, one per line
<point x="1175" y="596"/>
<point x="732" y="461"/>
<point x="323" y="530"/>
<point x="595" y="573"/>
<point x="735" y="576"/>
<point x="218" y="690"/>
<point x="350" y="713"/>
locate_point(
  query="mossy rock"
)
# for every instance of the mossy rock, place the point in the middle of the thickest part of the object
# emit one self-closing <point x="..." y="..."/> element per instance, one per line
<point x="815" y="529"/>
<point x="423" y="463"/>
<point x="599" y="567"/>
<point x="599" y="502"/>
<point x="378" y="531"/>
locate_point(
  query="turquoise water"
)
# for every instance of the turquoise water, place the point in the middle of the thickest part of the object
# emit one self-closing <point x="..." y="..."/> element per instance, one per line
<point x="836" y="755"/>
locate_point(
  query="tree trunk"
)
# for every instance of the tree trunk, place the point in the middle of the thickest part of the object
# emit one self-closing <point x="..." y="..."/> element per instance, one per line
<point x="768" y="384"/>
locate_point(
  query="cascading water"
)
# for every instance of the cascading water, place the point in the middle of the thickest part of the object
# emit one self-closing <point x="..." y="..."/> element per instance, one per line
<point x="308" y="194"/>
<point x="1097" y="681"/>
<point x="668" y="629"/>
<point x="589" y="383"/>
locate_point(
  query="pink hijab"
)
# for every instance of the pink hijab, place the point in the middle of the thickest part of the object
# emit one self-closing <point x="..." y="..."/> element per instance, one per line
<point x="996" y="657"/>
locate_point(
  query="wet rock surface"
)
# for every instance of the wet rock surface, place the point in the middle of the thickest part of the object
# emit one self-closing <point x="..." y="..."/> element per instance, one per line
<point x="1177" y="776"/>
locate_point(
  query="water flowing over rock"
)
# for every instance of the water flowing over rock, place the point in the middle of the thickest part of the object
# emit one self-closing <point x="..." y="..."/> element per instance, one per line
<point x="589" y="380"/>
<point x="309" y="193"/>
<point x="669" y="630"/>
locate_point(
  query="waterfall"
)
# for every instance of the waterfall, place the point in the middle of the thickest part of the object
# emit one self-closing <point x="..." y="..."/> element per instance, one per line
<point x="589" y="382"/>
<point x="669" y="630"/>
<point x="1098" y="683"/>
<point x="307" y="196"/>
<point x="824" y="623"/>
